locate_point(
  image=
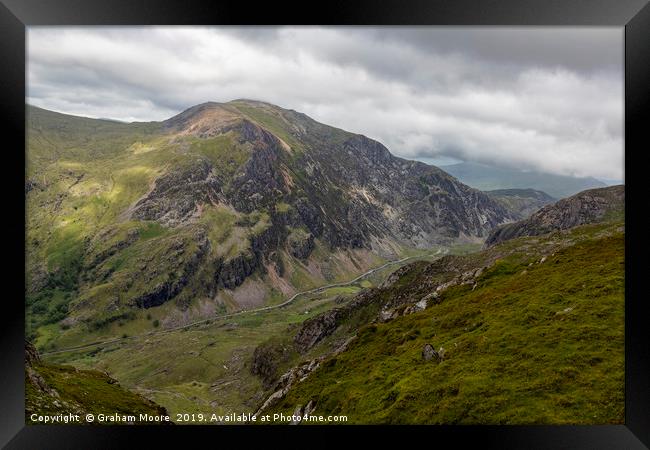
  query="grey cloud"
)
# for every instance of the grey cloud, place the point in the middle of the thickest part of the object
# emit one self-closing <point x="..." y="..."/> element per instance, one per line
<point x="582" y="49"/>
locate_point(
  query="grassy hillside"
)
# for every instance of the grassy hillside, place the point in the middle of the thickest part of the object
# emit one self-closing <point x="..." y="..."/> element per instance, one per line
<point x="538" y="340"/>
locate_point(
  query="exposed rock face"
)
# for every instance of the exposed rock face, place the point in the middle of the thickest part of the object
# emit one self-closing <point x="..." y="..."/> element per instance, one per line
<point x="315" y="329"/>
<point x="31" y="355"/>
<point x="319" y="327"/>
<point x="177" y="194"/>
<point x="261" y="182"/>
<point x="585" y="207"/>
<point x="232" y="273"/>
<point x="345" y="188"/>
<point x="301" y="245"/>
<point x="386" y="195"/>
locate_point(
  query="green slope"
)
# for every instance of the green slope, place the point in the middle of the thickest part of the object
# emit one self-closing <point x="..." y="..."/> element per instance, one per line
<point x="532" y="343"/>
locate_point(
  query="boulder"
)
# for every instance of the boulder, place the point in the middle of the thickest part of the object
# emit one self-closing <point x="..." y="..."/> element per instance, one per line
<point x="429" y="353"/>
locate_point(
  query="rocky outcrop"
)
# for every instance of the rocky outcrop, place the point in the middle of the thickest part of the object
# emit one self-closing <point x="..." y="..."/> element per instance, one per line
<point x="409" y="302"/>
<point x="314" y="330"/>
<point x="586" y="207"/>
<point x="287" y="380"/>
<point x="270" y="238"/>
<point x="429" y="353"/>
<point x="177" y="195"/>
<point x="233" y="272"/>
<point x="34" y="379"/>
<point x="317" y="328"/>
<point x="298" y="374"/>
<point x="31" y="355"/>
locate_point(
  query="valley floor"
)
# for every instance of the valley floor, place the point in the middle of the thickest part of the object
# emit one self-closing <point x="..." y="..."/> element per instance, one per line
<point x="203" y="367"/>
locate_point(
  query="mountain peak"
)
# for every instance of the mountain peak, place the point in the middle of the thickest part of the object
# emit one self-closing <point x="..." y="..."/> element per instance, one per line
<point x="205" y="119"/>
<point x="252" y="102"/>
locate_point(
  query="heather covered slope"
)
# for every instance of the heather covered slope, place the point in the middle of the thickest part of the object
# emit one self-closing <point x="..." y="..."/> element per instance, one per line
<point x="530" y="331"/>
<point x="224" y="207"/>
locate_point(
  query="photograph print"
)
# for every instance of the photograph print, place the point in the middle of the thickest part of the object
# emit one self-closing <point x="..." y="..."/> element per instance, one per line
<point x="324" y="225"/>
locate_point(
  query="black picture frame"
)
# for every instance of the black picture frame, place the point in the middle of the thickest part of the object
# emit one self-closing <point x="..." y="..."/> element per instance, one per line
<point x="633" y="15"/>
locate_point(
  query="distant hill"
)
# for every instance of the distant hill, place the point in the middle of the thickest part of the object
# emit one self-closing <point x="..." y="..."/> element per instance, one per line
<point x="612" y="181"/>
<point x="522" y="201"/>
<point x="486" y="178"/>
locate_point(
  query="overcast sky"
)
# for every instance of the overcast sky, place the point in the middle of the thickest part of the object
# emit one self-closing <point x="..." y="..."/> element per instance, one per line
<point x="547" y="99"/>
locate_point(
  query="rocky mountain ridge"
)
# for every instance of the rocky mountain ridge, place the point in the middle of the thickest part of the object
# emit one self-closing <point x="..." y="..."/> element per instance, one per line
<point x="588" y="206"/>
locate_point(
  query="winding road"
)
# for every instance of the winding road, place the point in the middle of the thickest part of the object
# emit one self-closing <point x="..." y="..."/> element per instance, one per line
<point x="245" y="311"/>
